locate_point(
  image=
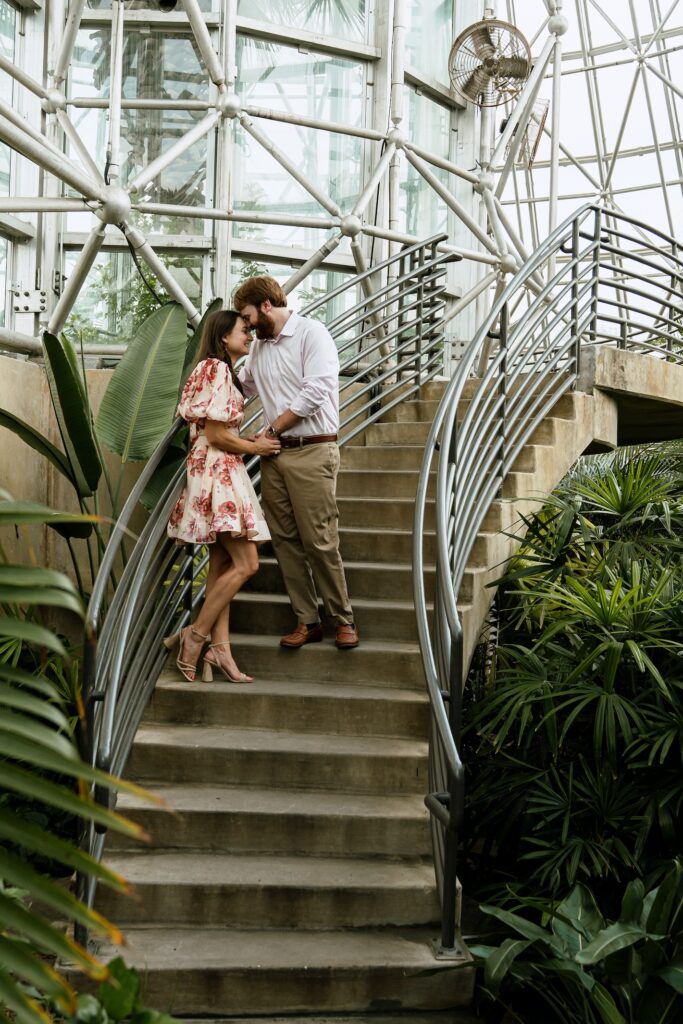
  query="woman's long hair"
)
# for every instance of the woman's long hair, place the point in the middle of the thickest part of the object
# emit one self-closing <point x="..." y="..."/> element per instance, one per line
<point x="212" y="345"/>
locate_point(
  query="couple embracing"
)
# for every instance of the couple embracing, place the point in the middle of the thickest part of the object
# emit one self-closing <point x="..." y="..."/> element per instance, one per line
<point x="293" y="366"/>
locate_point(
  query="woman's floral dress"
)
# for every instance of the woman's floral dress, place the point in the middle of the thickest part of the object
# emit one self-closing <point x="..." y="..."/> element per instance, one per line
<point x="218" y="496"/>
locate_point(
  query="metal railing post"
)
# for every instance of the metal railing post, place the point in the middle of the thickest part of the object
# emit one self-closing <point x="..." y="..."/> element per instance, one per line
<point x="576" y="240"/>
<point x="597" y="229"/>
<point x="503" y="387"/>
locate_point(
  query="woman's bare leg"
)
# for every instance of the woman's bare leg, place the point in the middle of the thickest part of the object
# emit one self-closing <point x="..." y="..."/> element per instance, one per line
<point x="243" y="563"/>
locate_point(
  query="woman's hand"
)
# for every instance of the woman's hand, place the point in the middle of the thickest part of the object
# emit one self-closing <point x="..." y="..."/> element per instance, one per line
<point x="265" y="446"/>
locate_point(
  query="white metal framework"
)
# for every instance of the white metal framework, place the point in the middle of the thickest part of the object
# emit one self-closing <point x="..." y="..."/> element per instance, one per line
<point x="145" y="136"/>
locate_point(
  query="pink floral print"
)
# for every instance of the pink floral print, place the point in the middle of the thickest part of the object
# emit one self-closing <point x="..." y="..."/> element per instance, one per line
<point x="218" y="496"/>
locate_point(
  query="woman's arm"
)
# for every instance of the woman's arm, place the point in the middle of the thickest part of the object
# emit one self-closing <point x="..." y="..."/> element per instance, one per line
<point x="218" y="435"/>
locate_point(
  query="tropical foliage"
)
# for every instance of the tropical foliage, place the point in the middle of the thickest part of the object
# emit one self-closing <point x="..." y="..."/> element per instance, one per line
<point x="136" y="412"/>
<point x="41" y="765"/>
<point x="575" y="731"/>
<point x="579" y="967"/>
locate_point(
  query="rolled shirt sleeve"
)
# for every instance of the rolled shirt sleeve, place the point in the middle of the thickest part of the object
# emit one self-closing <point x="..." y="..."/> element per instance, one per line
<point x="247" y="380"/>
<point x="320" y="371"/>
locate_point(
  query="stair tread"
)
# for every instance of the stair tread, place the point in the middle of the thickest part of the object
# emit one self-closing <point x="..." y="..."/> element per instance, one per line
<point x="202" y="798"/>
<point x="176" y="949"/>
<point x="168" y="680"/>
<point x="350" y="563"/>
<point x="254" y="597"/>
<point x="222" y="737"/>
<point x="270" y="640"/>
<point x="272" y="870"/>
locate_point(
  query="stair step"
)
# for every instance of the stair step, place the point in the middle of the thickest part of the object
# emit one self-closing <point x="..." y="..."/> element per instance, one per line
<point x="381" y="483"/>
<point x="361" y="543"/>
<point x="302" y="706"/>
<point x="377" y="580"/>
<point x="378" y="457"/>
<point x="213" y="970"/>
<point x="378" y="662"/>
<point x="258" y="757"/>
<point x="389" y="512"/>
<point x="421" y="411"/>
<point x="272" y="820"/>
<point x="261" y="891"/>
<point x="375" y="619"/>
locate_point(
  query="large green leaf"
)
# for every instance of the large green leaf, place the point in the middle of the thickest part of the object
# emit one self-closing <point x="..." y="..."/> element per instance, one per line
<point x="24" y="1009"/>
<point x="499" y="963"/>
<point x="17" y="700"/>
<point x="193" y="343"/>
<point x="520" y="924"/>
<point x="18" y="957"/>
<point x="24" y="513"/>
<point x="20" y="629"/>
<point x="140" y="401"/>
<point x="39" y="788"/>
<point x="73" y="416"/>
<point x="30" y="925"/>
<point x="32" y="838"/>
<point x="18" y="873"/>
<point x="613" y="938"/>
<point x="169" y="465"/>
<point x="673" y="976"/>
<point x="37" y="441"/>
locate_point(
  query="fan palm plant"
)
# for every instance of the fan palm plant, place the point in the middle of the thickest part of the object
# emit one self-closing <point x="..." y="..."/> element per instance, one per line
<point x="576" y="741"/>
<point x="41" y="762"/>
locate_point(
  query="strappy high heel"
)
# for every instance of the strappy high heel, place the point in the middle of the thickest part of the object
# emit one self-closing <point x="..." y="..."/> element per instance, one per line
<point x="209" y="665"/>
<point x="186" y="668"/>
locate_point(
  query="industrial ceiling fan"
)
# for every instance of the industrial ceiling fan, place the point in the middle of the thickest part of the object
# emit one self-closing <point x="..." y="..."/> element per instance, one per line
<point x="489" y="63"/>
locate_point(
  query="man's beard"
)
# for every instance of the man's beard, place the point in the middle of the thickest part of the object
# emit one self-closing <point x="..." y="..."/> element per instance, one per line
<point x="265" y="325"/>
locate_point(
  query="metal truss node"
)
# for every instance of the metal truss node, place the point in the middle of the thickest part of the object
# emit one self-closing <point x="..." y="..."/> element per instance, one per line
<point x="218" y="142"/>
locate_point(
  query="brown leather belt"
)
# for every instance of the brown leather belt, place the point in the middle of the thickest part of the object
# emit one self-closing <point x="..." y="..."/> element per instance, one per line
<point x="299" y="442"/>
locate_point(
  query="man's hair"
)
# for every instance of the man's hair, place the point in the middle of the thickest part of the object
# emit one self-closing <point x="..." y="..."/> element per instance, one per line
<point x="256" y="290"/>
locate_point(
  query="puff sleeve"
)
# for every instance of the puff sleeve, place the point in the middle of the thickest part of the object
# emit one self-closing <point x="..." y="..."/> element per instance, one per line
<point x="209" y="393"/>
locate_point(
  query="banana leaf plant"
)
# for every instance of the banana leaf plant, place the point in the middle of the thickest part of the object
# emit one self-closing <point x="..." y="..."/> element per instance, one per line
<point x="41" y="763"/>
<point x="566" y="963"/>
<point x="135" y="414"/>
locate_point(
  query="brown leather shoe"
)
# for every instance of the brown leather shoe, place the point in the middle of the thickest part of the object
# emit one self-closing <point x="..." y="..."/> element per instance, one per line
<point x="347" y="636"/>
<point x="303" y="634"/>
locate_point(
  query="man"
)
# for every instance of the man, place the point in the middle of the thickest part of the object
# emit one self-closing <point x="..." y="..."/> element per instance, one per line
<point x="294" y="368"/>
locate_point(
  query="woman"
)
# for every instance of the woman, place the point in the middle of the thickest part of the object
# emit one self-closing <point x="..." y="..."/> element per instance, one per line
<point x="218" y="505"/>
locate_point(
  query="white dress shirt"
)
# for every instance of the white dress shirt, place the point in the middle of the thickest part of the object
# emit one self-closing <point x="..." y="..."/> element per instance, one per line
<point x="297" y="370"/>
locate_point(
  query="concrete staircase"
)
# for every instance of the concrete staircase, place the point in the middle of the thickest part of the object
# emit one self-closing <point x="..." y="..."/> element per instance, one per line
<point x="295" y="874"/>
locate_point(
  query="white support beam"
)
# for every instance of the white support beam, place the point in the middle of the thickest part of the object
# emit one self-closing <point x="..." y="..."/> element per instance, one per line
<point x="289" y="166"/>
<point x="76" y="279"/>
<point x="165" y="159"/>
<point x="450" y="200"/>
<point x="315" y="261"/>
<point x="44" y="156"/>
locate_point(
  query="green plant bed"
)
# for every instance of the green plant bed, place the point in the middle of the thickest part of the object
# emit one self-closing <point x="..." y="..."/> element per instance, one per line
<point x="574" y="715"/>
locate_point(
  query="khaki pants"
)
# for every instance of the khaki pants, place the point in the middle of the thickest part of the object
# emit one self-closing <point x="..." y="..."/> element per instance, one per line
<point x="298" y="488"/>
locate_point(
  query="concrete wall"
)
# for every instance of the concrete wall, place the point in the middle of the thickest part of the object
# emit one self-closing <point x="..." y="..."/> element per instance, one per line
<point x="28" y="476"/>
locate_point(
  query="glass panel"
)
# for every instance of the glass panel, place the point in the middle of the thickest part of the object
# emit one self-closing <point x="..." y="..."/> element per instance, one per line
<point x="4" y="246"/>
<point x="345" y="18"/>
<point x="115" y="300"/>
<point x="150" y="5"/>
<point x="429" y="37"/>
<point x="8" y="19"/>
<point x="317" y="284"/>
<point x="156" y="65"/>
<point x="307" y="85"/>
<point x="427" y="126"/>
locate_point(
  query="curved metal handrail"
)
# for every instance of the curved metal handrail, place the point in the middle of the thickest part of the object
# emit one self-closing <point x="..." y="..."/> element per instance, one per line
<point x="599" y="267"/>
<point x="390" y="343"/>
